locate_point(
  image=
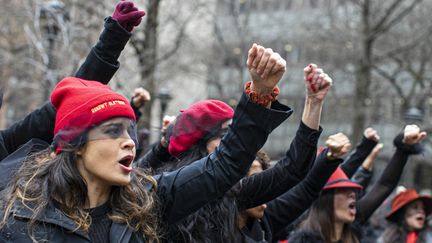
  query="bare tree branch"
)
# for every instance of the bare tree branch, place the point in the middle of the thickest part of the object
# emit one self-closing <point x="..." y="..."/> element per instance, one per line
<point x="392" y="79"/>
<point x="180" y="35"/>
<point x="393" y="7"/>
<point x="391" y="23"/>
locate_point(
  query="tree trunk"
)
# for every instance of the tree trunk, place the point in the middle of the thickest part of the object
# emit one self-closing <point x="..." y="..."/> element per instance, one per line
<point x="363" y="78"/>
<point x="147" y="58"/>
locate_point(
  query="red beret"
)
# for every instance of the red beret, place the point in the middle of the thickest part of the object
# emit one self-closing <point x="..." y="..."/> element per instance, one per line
<point x="194" y="122"/>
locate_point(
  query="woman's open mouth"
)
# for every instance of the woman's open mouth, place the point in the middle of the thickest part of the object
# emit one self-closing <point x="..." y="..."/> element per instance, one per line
<point x="126" y="163"/>
<point x="352" y="207"/>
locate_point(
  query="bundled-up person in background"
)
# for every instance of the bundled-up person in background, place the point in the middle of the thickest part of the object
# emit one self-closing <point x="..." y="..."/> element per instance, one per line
<point x="407" y="218"/>
<point x="337" y="216"/>
<point x="261" y="223"/>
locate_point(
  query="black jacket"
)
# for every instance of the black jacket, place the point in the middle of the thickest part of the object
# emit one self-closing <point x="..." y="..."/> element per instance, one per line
<point x="213" y="221"/>
<point x="180" y="192"/>
<point x="288" y="207"/>
<point x="380" y="190"/>
<point x="287" y="173"/>
<point x="100" y="65"/>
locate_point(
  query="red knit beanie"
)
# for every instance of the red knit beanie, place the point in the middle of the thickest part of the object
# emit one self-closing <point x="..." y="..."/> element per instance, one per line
<point x="195" y="122"/>
<point x="81" y="104"/>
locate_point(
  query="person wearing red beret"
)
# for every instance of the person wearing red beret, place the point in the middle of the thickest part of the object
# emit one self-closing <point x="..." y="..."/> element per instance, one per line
<point x="197" y="132"/>
<point x="84" y="188"/>
<point x="337" y="215"/>
<point x="407" y="218"/>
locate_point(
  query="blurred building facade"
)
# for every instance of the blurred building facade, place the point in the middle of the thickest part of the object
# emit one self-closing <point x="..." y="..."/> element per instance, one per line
<point x="302" y="32"/>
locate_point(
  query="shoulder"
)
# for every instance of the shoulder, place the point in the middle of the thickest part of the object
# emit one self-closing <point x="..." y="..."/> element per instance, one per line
<point x="304" y="236"/>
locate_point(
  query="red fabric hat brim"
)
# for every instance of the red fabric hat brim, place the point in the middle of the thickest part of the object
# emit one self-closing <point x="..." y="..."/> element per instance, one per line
<point x="427" y="201"/>
<point x="344" y="183"/>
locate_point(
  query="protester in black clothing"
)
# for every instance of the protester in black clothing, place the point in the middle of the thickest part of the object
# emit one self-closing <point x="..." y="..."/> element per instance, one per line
<point x="261" y="223"/>
<point x="407" y="218"/>
<point x="54" y="196"/>
<point x="217" y="221"/>
<point x="336" y="216"/>
<point x="100" y="65"/>
<point x="350" y="164"/>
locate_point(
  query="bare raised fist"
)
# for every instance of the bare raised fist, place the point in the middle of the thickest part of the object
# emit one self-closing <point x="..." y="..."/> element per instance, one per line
<point x="371" y="134"/>
<point x="338" y="145"/>
<point x="413" y="135"/>
<point x="266" y="68"/>
<point x="317" y="82"/>
<point x="140" y="97"/>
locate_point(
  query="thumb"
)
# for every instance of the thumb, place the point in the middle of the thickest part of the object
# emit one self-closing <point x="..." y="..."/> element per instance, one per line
<point x="135" y="16"/>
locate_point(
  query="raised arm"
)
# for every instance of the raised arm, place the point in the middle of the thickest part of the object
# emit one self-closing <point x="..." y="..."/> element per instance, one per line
<point x="364" y="173"/>
<point x="185" y="190"/>
<point x="100" y="65"/>
<point x="289" y="171"/>
<point x="406" y="144"/>
<point x="288" y="207"/>
<point x="355" y="159"/>
<point x="102" y="61"/>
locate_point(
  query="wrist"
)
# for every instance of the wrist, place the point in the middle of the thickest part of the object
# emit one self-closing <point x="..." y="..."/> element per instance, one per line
<point x="261" y="90"/>
<point x="312" y="101"/>
<point x="331" y="156"/>
<point x="263" y="98"/>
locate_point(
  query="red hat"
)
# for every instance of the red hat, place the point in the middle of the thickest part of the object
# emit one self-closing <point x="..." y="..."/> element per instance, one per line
<point x="195" y="122"/>
<point x="340" y="180"/>
<point x="82" y="103"/>
<point x="404" y="198"/>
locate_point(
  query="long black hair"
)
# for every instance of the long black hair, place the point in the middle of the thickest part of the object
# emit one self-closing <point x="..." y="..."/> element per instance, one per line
<point x="320" y="219"/>
<point x="217" y="221"/>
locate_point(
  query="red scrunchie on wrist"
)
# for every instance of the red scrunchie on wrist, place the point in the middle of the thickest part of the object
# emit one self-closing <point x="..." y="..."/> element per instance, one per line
<point x="261" y="99"/>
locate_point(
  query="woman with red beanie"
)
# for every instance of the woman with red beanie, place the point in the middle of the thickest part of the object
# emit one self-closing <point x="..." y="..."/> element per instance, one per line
<point x="337" y="216"/>
<point x="85" y="188"/>
<point x="407" y="218"/>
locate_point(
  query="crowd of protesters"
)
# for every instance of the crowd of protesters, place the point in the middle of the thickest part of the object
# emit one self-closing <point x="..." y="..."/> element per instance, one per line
<point x="74" y="171"/>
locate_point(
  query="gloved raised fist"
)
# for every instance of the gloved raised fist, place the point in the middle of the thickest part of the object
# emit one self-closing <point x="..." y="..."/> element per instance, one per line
<point x="127" y="15"/>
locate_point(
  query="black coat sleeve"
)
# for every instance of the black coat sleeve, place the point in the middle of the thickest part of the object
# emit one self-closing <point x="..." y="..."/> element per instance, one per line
<point x="386" y="183"/>
<point x="289" y="206"/>
<point x="356" y="158"/>
<point x="155" y="157"/>
<point x="362" y="177"/>
<point x="38" y="124"/>
<point x="183" y="191"/>
<point x="101" y="63"/>
<point x="289" y="171"/>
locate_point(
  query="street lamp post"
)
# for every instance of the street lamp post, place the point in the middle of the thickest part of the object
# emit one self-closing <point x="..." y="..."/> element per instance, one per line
<point x="164" y="97"/>
<point x="50" y="12"/>
<point x="413" y="115"/>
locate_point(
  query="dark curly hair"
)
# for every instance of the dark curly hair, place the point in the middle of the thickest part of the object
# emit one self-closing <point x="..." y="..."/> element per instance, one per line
<point x="44" y="179"/>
